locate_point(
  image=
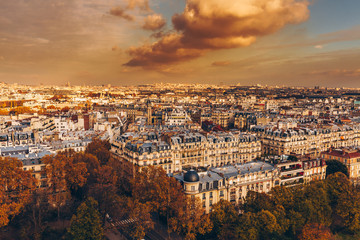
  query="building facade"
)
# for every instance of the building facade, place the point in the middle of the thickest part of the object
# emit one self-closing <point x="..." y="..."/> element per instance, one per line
<point x="231" y="183"/>
<point x="175" y="151"/>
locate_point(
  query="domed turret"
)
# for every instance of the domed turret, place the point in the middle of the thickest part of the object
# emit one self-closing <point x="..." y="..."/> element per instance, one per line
<point x="191" y="176"/>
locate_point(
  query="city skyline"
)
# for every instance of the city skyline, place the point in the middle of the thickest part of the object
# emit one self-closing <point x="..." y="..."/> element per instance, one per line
<point x="280" y="42"/>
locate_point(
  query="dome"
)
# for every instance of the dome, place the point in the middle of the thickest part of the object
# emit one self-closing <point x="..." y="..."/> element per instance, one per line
<point x="191" y="176"/>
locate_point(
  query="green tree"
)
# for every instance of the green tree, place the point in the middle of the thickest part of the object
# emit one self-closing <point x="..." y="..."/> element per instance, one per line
<point x="86" y="224"/>
<point x="334" y="166"/>
<point x="246" y="229"/>
<point x="337" y="184"/>
<point x="314" y="205"/>
<point x="349" y="209"/>
<point x="224" y="218"/>
<point x="267" y="225"/>
<point x="255" y="202"/>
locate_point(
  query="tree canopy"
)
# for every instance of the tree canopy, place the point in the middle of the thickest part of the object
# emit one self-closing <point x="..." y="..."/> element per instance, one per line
<point x="16" y="186"/>
<point x="86" y="224"/>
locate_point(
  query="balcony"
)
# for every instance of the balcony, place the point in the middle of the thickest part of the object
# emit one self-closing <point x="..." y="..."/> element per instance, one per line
<point x="291" y="178"/>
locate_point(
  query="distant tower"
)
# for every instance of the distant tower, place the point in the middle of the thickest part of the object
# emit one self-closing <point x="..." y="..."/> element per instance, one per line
<point x="149" y="114"/>
<point x="149" y="111"/>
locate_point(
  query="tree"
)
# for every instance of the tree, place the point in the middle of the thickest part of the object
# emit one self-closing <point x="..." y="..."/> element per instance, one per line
<point x="334" y="166"/>
<point x="190" y="220"/>
<point x="283" y="196"/>
<point x="64" y="175"/>
<point x="86" y="224"/>
<point x="315" y="231"/>
<point x="314" y="204"/>
<point x="255" y="202"/>
<point x="92" y="165"/>
<point x="140" y="218"/>
<point x="349" y="209"/>
<point x="224" y="218"/>
<point x="246" y="228"/>
<point x="100" y="149"/>
<point x="149" y="186"/>
<point x="337" y="184"/>
<point x="65" y="109"/>
<point x="125" y="174"/>
<point x="104" y="190"/>
<point x="16" y="187"/>
<point x="267" y="224"/>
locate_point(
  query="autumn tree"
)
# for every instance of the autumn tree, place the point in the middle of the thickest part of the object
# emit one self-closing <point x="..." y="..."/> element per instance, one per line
<point x="64" y="175"/>
<point x="255" y="202"/>
<point x="190" y="220"/>
<point x="315" y="231"/>
<point x="16" y="187"/>
<point x="150" y="185"/>
<point x="246" y="229"/>
<point x="313" y="203"/>
<point x="86" y="224"/>
<point x="124" y="171"/>
<point x="224" y="217"/>
<point x="91" y="162"/>
<point x="267" y="225"/>
<point x="100" y="149"/>
<point x="104" y="190"/>
<point x="349" y="209"/>
<point x="139" y="217"/>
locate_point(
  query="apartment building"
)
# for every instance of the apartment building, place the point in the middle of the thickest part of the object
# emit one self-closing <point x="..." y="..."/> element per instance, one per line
<point x="349" y="157"/>
<point x="176" y="151"/>
<point x="231" y="183"/>
<point x="313" y="141"/>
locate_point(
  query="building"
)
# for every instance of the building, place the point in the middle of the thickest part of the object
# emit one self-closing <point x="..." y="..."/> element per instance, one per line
<point x="313" y="141"/>
<point x="176" y="151"/>
<point x="231" y="183"/>
<point x="349" y="157"/>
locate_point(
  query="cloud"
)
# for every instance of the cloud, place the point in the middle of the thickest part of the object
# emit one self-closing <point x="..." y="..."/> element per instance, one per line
<point x="154" y="22"/>
<point x="338" y="72"/>
<point x="220" y="63"/>
<point x="207" y="25"/>
<point x="319" y="46"/>
<point x="167" y="49"/>
<point x="141" y="4"/>
<point x="121" y="12"/>
<point x="115" y="48"/>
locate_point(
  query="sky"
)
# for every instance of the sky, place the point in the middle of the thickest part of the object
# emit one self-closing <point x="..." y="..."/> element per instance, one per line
<point x="129" y="42"/>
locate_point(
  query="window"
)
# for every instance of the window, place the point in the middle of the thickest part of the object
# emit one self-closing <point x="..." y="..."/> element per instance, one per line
<point x="211" y="194"/>
<point x="210" y="203"/>
<point x="192" y="188"/>
<point x="204" y="196"/>
<point x="221" y="193"/>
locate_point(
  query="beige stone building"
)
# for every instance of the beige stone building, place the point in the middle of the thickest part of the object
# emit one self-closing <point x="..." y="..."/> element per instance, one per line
<point x="349" y="157"/>
<point x="176" y="151"/>
<point x="276" y="141"/>
<point x="230" y="183"/>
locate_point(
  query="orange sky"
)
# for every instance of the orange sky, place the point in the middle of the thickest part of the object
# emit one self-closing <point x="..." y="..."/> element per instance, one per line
<point x="274" y="42"/>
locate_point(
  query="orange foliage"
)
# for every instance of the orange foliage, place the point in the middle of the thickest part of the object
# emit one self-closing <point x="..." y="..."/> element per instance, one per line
<point x="4" y="112"/>
<point x="16" y="187"/>
<point x="315" y="231"/>
<point x="22" y="110"/>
